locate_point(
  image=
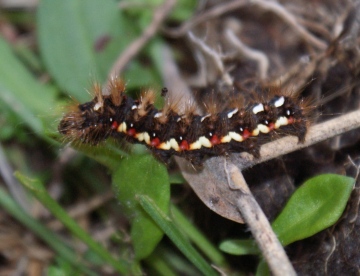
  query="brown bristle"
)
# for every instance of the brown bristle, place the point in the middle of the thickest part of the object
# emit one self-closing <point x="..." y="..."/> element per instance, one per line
<point x="99" y="98"/>
<point x="147" y="98"/>
<point x="116" y="89"/>
<point x="71" y="121"/>
<point x="237" y="101"/>
<point x="171" y="106"/>
<point x="190" y="109"/>
<point x="212" y="106"/>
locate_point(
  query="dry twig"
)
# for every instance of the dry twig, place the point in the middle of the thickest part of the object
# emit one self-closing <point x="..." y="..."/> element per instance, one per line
<point x="245" y="51"/>
<point x="215" y="57"/>
<point x="260" y="227"/>
<point x="159" y="15"/>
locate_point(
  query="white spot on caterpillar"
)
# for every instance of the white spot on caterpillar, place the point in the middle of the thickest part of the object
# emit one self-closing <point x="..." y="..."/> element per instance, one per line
<point x="236" y="136"/>
<point x="157" y="115"/>
<point x="178" y="120"/>
<point x="134" y="107"/>
<point x="255" y="132"/>
<point x="122" y="127"/>
<point x="165" y="145"/>
<point x="139" y="136"/>
<point x="98" y="105"/>
<point x="279" y="102"/>
<point x="282" y="121"/>
<point x="263" y="128"/>
<point x="111" y="119"/>
<point x="288" y="112"/>
<point x="226" y="139"/>
<point x="258" y="108"/>
<point x="147" y="138"/>
<point x="174" y="144"/>
<point x="205" y="142"/>
<point x="204" y="117"/>
<point x="231" y="113"/>
<point x="195" y="145"/>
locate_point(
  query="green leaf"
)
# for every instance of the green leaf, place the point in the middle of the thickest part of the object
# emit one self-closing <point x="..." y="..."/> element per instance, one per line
<point x="240" y="247"/>
<point x="316" y="205"/>
<point x="176" y="178"/>
<point x="262" y="269"/>
<point x="142" y="175"/>
<point x="184" y="10"/>
<point x="38" y="190"/>
<point x="79" y="39"/>
<point x="173" y="232"/>
<point x="29" y="100"/>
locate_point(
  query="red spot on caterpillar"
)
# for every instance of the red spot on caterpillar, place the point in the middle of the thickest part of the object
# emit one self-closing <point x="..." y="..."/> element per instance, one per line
<point x="291" y="120"/>
<point x="155" y="142"/>
<point x="184" y="145"/>
<point x="114" y="125"/>
<point x="246" y="133"/>
<point x="271" y="126"/>
<point x="131" y="132"/>
<point x="215" y="140"/>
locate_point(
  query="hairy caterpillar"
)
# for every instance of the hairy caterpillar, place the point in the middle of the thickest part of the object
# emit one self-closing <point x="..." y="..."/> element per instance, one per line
<point x="167" y="132"/>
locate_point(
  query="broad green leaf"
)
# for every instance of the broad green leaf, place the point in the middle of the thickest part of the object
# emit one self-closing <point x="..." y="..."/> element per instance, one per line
<point x="142" y="175"/>
<point x="316" y="205"/>
<point x="173" y="232"/>
<point x="240" y="247"/>
<point x="80" y="40"/>
<point x="136" y="69"/>
<point x="30" y="101"/>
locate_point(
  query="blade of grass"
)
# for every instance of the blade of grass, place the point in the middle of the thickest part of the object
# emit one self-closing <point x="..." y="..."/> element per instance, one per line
<point x="38" y="190"/>
<point x="41" y="231"/>
<point x="159" y="265"/>
<point x="197" y="237"/>
<point x="174" y="259"/>
<point x="172" y="231"/>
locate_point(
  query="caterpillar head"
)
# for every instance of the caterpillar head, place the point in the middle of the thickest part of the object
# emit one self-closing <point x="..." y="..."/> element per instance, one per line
<point x="86" y="123"/>
<point x="91" y="122"/>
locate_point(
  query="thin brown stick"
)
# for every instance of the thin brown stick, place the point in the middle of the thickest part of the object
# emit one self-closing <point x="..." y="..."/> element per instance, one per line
<point x="260" y="227"/>
<point x="259" y="57"/>
<point x="214" y="56"/>
<point x="131" y="51"/>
